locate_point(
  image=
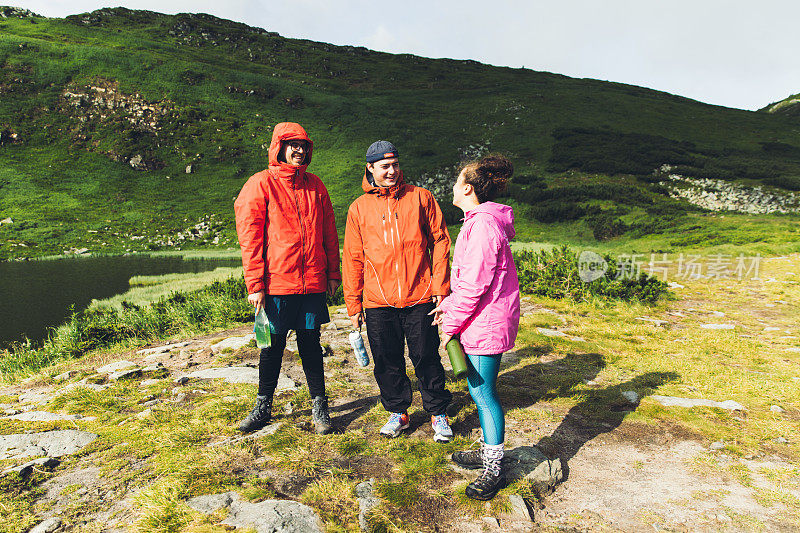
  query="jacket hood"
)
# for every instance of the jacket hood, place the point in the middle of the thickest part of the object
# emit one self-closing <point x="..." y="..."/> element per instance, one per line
<point x="369" y="188"/>
<point x="286" y="131"/>
<point x="504" y="215"/>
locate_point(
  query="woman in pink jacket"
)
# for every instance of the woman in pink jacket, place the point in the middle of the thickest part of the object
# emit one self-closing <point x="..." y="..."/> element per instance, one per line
<point x="483" y="307"/>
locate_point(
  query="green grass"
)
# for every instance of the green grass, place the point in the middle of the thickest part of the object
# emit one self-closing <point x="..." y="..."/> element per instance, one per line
<point x="62" y="190"/>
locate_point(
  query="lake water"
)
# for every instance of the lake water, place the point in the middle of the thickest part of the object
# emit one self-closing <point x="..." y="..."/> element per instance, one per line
<point x="35" y="295"/>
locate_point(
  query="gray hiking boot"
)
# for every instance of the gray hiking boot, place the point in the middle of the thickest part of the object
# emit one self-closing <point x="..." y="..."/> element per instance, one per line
<point x="320" y="415"/>
<point x="259" y="416"/>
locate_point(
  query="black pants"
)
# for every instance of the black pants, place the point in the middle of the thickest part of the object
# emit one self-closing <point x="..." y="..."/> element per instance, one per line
<point x="388" y="329"/>
<point x="269" y="365"/>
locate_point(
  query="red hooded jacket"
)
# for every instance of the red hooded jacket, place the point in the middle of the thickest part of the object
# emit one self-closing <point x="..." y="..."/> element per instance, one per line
<point x="286" y="227"/>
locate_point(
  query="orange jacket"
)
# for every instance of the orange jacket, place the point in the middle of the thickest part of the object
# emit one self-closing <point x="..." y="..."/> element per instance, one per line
<point x="396" y="248"/>
<point x="285" y="224"/>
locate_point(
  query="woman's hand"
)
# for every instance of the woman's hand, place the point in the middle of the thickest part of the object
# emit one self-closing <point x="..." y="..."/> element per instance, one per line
<point x="257" y="299"/>
<point x="445" y="340"/>
<point x="333" y="284"/>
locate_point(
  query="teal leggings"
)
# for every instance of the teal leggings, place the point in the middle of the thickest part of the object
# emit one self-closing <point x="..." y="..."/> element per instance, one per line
<point x="482" y="379"/>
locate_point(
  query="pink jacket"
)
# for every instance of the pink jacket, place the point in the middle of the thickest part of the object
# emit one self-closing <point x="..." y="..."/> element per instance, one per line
<point x="484" y="304"/>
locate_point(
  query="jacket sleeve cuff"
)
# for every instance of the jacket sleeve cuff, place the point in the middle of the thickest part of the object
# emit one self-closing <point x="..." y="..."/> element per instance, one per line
<point x="353" y="309"/>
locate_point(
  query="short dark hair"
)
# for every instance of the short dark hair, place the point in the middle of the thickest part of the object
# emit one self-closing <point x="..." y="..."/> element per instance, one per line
<point x="488" y="176"/>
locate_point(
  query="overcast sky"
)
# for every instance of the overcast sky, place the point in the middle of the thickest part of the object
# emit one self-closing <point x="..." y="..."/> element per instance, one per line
<point x="736" y="53"/>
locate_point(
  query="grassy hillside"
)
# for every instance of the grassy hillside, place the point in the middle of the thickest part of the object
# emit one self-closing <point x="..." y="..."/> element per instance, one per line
<point x="102" y="113"/>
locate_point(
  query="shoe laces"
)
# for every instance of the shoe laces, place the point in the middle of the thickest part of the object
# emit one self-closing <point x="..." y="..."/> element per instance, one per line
<point x="440" y="422"/>
<point x="396" y="417"/>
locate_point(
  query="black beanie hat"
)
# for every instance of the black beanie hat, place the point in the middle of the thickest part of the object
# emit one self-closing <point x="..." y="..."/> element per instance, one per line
<point x="380" y="150"/>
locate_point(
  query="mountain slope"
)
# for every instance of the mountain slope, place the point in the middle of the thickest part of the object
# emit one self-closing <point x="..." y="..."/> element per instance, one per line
<point x="102" y="113"/>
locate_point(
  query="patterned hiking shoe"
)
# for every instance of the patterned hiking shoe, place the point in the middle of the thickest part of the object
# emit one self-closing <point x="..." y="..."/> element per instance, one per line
<point x="320" y="415"/>
<point x="396" y="424"/>
<point x="486" y="486"/>
<point x="441" y="429"/>
<point x="469" y="459"/>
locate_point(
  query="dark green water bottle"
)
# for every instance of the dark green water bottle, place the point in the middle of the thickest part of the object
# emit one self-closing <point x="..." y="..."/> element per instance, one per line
<point x="457" y="358"/>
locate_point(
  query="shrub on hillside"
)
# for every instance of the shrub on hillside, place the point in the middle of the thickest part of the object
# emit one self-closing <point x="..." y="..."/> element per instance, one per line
<point x="554" y="274"/>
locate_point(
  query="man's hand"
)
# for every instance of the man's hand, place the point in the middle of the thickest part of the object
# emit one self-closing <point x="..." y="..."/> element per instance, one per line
<point x="357" y="320"/>
<point x="333" y="284"/>
<point x="257" y="299"/>
<point x="437" y="311"/>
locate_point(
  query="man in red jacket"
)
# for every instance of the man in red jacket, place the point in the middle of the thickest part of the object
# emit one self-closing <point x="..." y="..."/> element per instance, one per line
<point x="290" y="254"/>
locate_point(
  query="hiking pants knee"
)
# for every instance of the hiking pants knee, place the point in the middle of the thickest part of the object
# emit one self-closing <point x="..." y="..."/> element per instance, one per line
<point x="388" y="329"/>
<point x="269" y="365"/>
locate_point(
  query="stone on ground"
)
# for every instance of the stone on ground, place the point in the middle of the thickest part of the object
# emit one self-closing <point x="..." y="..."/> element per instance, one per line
<point x="116" y="366"/>
<point x="240" y="374"/>
<point x="268" y="516"/>
<point x="531" y="463"/>
<point x="44" y="416"/>
<point x="672" y="401"/>
<point x="48" y="526"/>
<point x="365" y="492"/>
<point x="234" y="343"/>
<point x="50" y="443"/>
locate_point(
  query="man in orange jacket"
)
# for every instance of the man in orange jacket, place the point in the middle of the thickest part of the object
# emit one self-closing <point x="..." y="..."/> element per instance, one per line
<point x="396" y="252"/>
<point x="290" y="254"/>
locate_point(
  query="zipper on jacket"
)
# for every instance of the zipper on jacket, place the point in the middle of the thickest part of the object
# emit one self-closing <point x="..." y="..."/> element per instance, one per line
<point x="302" y="238"/>
<point x="394" y="249"/>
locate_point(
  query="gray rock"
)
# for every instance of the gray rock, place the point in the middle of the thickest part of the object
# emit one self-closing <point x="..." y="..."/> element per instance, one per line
<point x="656" y="321"/>
<point x="365" y="493"/>
<point x="233" y="343"/>
<point x="44" y="416"/>
<point x="241" y="374"/>
<point x="25" y="469"/>
<point x="782" y="440"/>
<point x="716" y="446"/>
<point x="49" y="443"/>
<point x="631" y="396"/>
<point x="793" y="349"/>
<point x="183" y="380"/>
<point x="148" y="382"/>
<point x="48" y="526"/>
<point x="162" y="349"/>
<point x="491" y="521"/>
<point x="211" y="502"/>
<point x="268" y="430"/>
<point x="776" y="409"/>
<point x="717" y="326"/>
<point x="520" y="508"/>
<point x="189" y="169"/>
<point x="551" y="332"/>
<point x="37" y="397"/>
<point x="531" y="463"/>
<point x="672" y="401"/>
<point x="268" y="516"/>
<point x="65" y="376"/>
<point x="154" y="368"/>
<point x="116" y="366"/>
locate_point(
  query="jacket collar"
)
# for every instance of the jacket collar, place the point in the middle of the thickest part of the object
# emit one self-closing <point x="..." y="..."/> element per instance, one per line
<point x="396" y="190"/>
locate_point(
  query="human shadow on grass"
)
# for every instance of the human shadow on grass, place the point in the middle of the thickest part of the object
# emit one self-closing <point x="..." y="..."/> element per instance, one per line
<point x="534" y="382"/>
<point x="602" y="411"/>
<point x="351" y="411"/>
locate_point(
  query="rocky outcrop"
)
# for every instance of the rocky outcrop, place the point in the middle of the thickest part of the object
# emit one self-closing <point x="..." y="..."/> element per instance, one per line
<point x="16" y="12"/>
<point x="789" y="106"/>
<point x="104" y="100"/>
<point x="720" y="195"/>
